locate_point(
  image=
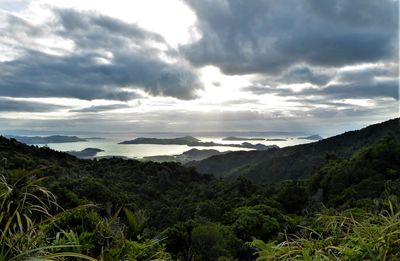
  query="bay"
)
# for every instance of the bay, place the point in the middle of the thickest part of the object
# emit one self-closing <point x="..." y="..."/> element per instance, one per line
<point x="112" y="148"/>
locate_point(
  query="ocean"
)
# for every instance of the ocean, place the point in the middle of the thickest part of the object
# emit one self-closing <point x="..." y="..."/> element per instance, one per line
<point x="112" y="148"/>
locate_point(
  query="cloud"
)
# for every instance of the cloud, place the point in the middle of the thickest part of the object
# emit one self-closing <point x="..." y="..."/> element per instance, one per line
<point x="93" y="30"/>
<point x="243" y="37"/>
<point x="353" y="90"/>
<point x="101" y="108"/>
<point x="108" y="57"/>
<point x="364" y="82"/>
<point x="358" y="90"/>
<point x="11" y="105"/>
<point x="304" y="74"/>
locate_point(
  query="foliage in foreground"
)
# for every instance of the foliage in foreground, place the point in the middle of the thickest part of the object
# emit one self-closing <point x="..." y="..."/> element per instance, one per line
<point x="30" y="231"/>
<point x="165" y="211"/>
<point x="350" y="235"/>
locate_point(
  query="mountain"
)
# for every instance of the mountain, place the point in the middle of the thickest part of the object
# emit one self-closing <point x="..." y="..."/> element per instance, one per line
<point x="174" y="141"/>
<point x="86" y="153"/>
<point x="258" y="146"/>
<point x="46" y="139"/>
<point x="312" y="137"/>
<point x="185" y="157"/>
<point x="296" y="162"/>
<point x="195" y="154"/>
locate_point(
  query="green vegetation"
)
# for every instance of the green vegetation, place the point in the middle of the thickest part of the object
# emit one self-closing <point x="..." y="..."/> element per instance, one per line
<point x="57" y="207"/>
<point x="350" y="235"/>
<point x="297" y="162"/>
<point x="86" y="153"/>
<point x="185" y="157"/>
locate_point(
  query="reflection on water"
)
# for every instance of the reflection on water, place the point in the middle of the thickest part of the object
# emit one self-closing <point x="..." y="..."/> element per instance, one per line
<point x="112" y="148"/>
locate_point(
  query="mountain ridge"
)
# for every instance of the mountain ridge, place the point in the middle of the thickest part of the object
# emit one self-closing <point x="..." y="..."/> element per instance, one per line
<point x="295" y="162"/>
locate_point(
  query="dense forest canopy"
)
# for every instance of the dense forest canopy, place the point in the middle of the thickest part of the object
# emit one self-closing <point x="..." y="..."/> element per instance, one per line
<point x="54" y="205"/>
<point x="272" y="166"/>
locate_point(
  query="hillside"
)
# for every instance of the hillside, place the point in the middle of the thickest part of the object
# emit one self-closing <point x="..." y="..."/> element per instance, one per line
<point x="165" y="211"/>
<point x="185" y="157"/>
<point x="85" y="153"/>
<point x="296" y="162"/>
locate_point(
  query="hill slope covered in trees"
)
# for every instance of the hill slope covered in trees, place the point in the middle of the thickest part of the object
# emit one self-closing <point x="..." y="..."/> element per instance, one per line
<point x="114" y="209"/>
<point x="296" y="162"/>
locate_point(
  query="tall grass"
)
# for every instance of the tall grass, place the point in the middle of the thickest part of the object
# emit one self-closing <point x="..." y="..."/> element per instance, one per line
<point x="25" y="206"/>
<point x="350" y="235"/>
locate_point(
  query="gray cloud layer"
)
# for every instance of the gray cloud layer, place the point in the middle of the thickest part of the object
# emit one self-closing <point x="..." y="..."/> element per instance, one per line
<point x="356" y="84"/>
<point x="283" y="41"/>
<point x="10" y="105"/>
<point x="133" y="62"/>
<point x="101" y="108"/>
<point x="261" y="36"/>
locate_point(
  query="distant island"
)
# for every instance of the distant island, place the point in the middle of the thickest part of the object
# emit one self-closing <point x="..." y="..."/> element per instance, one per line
<point x="46" y="139"/>
<point x="233" y="138"/>
<point x="258" y="146"/>
<point x="185" y="157"/>
<point x="86" y="153"/>
<point x="187" y="140"/>
<point x="193" y="142"/>
<point x="312" y="137"/>
<point x="276" y="139"/>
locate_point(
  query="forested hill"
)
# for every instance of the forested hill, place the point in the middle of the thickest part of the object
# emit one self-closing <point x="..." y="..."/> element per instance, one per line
<point x="115" y="209"/>
<point x="296" y="162"/>
<point x="134" y="182"/>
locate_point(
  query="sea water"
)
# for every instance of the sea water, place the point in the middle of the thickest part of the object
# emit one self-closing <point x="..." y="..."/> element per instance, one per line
<point x="112" y="148"/>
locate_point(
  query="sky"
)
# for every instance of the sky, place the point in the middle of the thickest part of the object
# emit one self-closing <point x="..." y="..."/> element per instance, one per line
<point x="198" y="65"/>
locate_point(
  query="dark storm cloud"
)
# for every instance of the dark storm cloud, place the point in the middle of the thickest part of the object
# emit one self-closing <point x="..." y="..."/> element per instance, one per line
<point x="368" y="74"/>
<point x="91" y="29"/>
<point x="10" y="105"/>
<point x="80" y="76"/>
<point x="262" y="36"/>
<point x="110" y="55"/>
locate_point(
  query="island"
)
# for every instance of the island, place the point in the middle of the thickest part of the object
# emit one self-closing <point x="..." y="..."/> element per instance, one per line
<point x="185" y="157"/>
<point x="193" y="142"/>
<point x="86" y="153"/>
<point x="312" y="137"/>
<point x="47" y="139"/>
<point x="233" y="138"/>
<point x="172" y="141"/>
<point x="258" y="146"/>
<point x="276" y="139"/>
